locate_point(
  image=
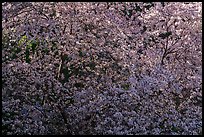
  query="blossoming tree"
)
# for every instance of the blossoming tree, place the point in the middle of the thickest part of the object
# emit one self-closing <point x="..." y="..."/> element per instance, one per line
<point x="101" y="68"/>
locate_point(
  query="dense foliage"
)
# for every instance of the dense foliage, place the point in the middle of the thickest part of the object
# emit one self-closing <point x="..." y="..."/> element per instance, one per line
<point x="101" y="68"/>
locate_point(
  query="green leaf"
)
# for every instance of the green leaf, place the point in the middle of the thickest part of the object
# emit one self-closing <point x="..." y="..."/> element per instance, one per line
<point x="27" y="54"/>
<point x="34" y="45"/>
<point x="46" y="50"/>
<point x="29" y="44"/>
<point x="22" y="40"/>
<point x="126" y="86"/>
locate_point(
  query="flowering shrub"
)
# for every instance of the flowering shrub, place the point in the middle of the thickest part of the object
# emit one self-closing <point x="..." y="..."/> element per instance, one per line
<point x="101" y="68"/>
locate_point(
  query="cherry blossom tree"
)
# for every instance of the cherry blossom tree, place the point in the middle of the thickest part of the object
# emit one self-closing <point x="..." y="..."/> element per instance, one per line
<point x="101" y="68"/>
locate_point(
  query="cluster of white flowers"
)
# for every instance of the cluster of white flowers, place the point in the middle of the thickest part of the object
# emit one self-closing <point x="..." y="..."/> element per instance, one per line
<point x="101" y="68"/>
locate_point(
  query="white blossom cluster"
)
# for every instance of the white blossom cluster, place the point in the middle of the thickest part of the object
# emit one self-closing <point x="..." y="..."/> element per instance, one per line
<point x="101" y="68"/>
